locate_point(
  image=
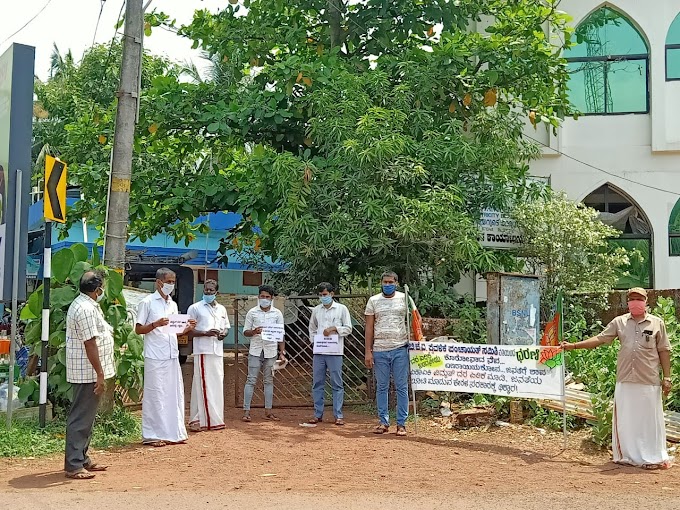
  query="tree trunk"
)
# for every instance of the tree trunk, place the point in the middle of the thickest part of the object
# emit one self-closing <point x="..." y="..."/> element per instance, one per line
<point x="335" y="10"/>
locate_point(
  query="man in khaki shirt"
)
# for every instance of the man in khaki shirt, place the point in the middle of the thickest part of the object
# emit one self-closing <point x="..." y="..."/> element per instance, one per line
<point x="638" y="432"/>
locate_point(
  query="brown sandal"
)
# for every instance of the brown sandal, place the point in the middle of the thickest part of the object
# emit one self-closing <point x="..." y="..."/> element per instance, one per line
<point x="339" y="422"/>
<point x="381" y="429"/>
<point x="401" y="430"/>
<point x="81" y="474"/>
<point x="315" y="420"/>
<point x="95" y="467"/>
<point x="271" y="417"/>
<point x="246" y="418"/>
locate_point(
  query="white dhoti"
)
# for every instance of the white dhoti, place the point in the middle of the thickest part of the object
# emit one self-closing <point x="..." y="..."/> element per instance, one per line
<point x="638" y="427"/>
<point x="207" y="392"/>
<point x="163" y="401"/>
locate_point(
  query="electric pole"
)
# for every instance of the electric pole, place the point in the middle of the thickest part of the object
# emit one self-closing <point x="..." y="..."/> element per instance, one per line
<point x="118" y="205"/>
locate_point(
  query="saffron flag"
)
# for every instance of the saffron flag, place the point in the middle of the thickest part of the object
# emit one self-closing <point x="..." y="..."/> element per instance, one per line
<point x="552" y="334"/>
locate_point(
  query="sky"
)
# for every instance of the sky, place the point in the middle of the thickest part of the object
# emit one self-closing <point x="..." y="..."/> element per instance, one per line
<point x="71" y="25"/>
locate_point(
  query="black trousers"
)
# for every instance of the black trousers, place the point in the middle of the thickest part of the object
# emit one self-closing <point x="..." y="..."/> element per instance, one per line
<point x="79" y="426"/>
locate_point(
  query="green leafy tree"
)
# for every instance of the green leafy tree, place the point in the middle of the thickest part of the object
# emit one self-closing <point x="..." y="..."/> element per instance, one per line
<point x="350" y="136"/>
<point x="567" y="246"/>
<point x="68" y="265"/>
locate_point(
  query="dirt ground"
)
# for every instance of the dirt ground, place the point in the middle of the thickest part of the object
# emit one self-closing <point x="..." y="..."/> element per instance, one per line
<point x="284" y="465"/>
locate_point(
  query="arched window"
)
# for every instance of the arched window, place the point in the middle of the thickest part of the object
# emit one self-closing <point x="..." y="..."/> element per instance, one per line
<point x="673" y="51"/>
<point x="620" y="212"/>
<point x="674" y="231"/>
<point x="609" y="66"/>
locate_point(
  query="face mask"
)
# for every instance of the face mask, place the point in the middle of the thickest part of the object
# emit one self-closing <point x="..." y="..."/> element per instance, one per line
<point x="100" y="296"/>
<point x="168" y="288"/>
<point x="637" y="307"/>
<point x="208" y="298"/>
<point x="326" y="300"/>
<point x="265" y="303"/>
<point x="388" y="290"/>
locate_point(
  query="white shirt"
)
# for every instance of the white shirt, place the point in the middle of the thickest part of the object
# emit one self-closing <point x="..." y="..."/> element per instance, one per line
<point x="157" y="343"/>
<point x="85" y="321"/>
<point x="335" y="315"/>
<point x="389" y="331"/>
<point x="207" y="317"/>
<point x="255" y="318"/>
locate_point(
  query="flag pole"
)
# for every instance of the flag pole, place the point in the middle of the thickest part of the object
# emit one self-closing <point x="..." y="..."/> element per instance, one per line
<point x="560" y="336"/>
<point x="408" y="328"/>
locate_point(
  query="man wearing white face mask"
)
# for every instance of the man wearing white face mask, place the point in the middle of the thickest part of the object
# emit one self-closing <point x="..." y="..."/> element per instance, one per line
<point x="207" y="387"/>
<point x="163" y="401"/>
<point x="262" y="355"/>
<point x="638" y="427"/>
<point x="330" y="320"/>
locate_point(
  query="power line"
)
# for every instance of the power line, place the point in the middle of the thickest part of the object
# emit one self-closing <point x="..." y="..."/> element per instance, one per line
<point x="28" y="22"/>
<point x="96" y="27"/>
<point x="584" y="163"/>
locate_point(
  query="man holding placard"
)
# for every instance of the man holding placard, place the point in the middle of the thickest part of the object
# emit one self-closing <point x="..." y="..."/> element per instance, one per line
<point x="207" y="387"/>
<point x="387" y="349"/>
<point x="638" y="427"/>
<point x="329" y="325"/>
<point x="163" y="402"/>
<point x="264" y="326"/>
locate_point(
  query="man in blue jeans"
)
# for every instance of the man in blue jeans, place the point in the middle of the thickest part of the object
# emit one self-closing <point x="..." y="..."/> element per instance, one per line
<point x="387" y="349"/>
<point x="329" y="324"/>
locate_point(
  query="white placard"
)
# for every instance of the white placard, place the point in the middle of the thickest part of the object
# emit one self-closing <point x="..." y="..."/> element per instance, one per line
<point x="327" y="344"/>
<point x="273" y="333"/>
<point x="178" y="323"/>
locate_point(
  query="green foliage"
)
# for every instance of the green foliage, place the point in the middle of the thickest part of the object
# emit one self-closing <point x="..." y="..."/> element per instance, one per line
<point x="550" y="419"/>
<point x="567" y="246"/>
<point x="359" y="137"/>
<point x="68" y="265"/>
<point x="27" y="439"/>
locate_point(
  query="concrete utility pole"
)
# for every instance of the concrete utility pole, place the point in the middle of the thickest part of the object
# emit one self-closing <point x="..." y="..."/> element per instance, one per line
<point x="126" y="119"/>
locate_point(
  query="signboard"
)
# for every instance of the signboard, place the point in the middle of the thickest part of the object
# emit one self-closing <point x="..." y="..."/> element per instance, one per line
<point x="16" y="118"/>
<point x="498" y="230"/>
<point x="54" y="204"/>
<point x="511" y="371"/>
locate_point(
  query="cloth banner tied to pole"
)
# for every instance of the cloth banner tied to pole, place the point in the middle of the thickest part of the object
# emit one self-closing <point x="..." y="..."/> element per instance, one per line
<point x="507" y="370"/>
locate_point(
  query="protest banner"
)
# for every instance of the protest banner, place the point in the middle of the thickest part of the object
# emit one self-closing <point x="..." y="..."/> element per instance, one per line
<point x="506" y="370"/>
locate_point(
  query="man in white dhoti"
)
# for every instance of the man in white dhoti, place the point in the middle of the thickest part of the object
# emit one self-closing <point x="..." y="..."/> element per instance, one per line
<point x="207" y="387"/>
<point x="639" y="432"/>
<point x="163" y="400"/>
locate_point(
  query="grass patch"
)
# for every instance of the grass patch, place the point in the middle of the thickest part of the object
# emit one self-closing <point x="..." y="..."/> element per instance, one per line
<point x="27" y="439"/>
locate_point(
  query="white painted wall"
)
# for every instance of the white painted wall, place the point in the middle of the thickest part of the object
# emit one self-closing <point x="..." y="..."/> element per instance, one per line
<point x="644" y="149"/>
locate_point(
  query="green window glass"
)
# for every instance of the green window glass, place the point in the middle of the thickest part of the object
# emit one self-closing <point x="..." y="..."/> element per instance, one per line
<point x="674" y="231"/>
<point x="673" y="50"/>
<point x="608" y="65"/>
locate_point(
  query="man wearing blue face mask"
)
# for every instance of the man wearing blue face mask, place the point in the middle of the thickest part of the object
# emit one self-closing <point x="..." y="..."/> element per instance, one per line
<point x="163" y="401"/>
<point x="262" y="354"/>
<point x="329" y="324"/>
<point x="387" y="349"/>
<point x="207" y="387"/>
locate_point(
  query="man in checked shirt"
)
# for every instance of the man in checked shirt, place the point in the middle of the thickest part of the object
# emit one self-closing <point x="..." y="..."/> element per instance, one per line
<point x="89" y="363"/>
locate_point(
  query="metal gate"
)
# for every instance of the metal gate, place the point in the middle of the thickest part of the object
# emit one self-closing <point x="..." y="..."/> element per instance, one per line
<point x="293" y="384"/>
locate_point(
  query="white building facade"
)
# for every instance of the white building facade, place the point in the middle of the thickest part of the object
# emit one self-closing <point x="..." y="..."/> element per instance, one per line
<point x="622" y="156"/>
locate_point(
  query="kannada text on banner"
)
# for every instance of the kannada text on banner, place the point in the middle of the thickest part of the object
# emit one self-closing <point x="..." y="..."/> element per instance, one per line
<point x="508" y="370"/>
